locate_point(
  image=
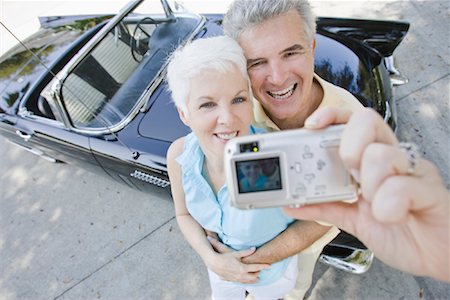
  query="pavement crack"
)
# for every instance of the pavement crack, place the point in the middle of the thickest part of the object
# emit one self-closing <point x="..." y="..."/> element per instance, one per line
<point x="422" y="87"/>
<point x="114" y="258"/>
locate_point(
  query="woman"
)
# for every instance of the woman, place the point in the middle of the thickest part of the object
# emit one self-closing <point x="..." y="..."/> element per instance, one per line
<point x="211" y="90"/>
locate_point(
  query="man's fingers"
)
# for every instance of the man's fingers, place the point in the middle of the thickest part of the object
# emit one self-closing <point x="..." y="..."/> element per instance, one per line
<point x="399" y="196"/>
<point x="343" y="215"/>
<point x="327" y="116"/>
<point x="363" y="128"/>
<point x="380" y="161"/>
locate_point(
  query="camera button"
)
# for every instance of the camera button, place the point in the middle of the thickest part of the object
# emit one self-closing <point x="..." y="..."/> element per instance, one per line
<point x="330" y="143"/>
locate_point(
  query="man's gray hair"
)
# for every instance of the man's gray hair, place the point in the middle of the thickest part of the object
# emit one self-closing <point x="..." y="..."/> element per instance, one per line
<point x="244" y="14"/>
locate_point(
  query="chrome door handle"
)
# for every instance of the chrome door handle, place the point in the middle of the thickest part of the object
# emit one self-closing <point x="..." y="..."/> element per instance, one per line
<point x="25" y="136"/>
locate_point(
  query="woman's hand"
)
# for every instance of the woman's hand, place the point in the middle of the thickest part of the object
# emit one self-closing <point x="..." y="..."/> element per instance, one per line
<point x="227" y="264"/>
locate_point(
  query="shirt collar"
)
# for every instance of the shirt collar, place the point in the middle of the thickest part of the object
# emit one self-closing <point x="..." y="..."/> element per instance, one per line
<point x="260" y="118"/>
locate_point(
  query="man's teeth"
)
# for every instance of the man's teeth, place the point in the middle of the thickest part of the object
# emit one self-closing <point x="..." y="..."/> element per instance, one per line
<point x="227" y="136"/>
<point x="283" y="94"/>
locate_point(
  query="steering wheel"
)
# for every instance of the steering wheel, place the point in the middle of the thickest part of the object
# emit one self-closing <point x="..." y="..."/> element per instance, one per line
<point x="136" y="44"/>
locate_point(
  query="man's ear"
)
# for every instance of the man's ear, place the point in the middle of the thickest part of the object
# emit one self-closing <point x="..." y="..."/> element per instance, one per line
<point x="183" y="116"/>
<point x="314" y="45"/>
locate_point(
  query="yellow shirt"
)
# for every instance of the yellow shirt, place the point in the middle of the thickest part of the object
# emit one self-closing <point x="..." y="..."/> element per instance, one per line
<point x="333" y="96"/>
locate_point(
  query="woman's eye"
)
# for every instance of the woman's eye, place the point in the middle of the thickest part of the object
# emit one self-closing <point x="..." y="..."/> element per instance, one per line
<point x="207" y="105"/>
<point x="239" y="100"/>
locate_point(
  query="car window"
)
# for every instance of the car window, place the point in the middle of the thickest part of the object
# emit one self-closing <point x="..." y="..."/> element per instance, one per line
<point x="87" y="92"/>
<point x="109" y="82"/>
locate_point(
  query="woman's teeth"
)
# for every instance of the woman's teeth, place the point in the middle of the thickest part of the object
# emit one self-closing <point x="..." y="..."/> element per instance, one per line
<point x="227" y="136"/>
<point x="283" y="94"/>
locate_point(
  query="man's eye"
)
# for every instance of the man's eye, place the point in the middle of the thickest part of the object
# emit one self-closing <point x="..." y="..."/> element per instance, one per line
<point x="254" y="64"/>
<point x="293" y="53"/>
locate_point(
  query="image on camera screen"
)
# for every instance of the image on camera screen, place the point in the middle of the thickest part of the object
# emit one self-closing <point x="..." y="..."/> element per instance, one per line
<point x="259" y="175"/>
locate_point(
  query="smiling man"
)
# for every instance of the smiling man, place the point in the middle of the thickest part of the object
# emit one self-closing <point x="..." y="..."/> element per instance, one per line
<point x="278" y="39"/>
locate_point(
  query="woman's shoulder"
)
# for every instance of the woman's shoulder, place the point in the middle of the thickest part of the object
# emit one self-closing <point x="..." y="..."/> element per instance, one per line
<point x="257" y="130"/>
<point x="175" y="149"/>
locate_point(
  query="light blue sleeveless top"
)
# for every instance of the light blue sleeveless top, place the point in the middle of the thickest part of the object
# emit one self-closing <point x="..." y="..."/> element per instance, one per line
<point x="238" y="229"/>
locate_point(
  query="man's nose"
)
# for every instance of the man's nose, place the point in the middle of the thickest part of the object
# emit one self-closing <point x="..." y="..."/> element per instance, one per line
<point x="277" y="73"/>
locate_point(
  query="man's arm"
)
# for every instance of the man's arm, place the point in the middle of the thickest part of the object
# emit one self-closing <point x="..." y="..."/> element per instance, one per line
<point x="297" y="237"/>
<point x="402" y="215"/>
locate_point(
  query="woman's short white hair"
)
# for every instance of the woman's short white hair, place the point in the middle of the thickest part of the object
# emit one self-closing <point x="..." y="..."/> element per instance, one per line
<point x="219" y="53"/>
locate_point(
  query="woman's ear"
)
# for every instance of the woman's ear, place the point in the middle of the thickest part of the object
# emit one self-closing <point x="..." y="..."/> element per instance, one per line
<point x="183" y="116"/>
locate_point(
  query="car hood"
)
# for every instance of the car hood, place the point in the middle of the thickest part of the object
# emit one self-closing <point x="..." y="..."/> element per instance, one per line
<point x="20" y="69"/>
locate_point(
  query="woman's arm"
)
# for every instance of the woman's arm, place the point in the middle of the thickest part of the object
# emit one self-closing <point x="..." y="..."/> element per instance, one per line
<point x="227" y="265"/>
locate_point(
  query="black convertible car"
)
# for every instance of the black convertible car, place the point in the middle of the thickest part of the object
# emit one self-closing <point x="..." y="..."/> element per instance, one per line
<point x="90" y="91"/>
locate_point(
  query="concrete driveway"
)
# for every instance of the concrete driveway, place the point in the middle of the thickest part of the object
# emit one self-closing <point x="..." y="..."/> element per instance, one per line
<point x="68" y="234"/>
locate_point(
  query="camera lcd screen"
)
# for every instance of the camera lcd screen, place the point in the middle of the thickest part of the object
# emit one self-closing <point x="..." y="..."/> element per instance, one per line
<point x="258" y="175"/>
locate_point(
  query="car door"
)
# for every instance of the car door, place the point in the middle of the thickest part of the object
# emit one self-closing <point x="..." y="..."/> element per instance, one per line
<point x="38" y="127"/>
<point x="53" y="141"/>
<point x="136" y="161"/>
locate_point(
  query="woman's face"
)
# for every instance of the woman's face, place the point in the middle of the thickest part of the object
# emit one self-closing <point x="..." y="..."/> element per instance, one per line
<point x="218" y="109"/>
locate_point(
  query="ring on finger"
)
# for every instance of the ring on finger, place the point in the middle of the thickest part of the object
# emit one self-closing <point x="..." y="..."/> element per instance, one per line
<point x="413" y="156"/>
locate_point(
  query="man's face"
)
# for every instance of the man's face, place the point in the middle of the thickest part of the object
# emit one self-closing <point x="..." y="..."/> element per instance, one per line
<point x="280" y="62"/>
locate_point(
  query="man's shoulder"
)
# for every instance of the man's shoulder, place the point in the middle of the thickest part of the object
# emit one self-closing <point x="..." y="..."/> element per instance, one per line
<point x="337" y="96"/>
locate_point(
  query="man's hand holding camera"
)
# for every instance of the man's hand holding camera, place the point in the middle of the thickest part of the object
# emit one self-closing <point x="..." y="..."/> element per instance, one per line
<point x="402" y="214"/>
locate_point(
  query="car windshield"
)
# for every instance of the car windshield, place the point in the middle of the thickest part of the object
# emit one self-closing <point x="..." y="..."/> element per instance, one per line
<point x="110" y="81"/>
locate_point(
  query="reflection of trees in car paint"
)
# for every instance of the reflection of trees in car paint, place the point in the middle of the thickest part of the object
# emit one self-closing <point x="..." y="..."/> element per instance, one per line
<point x="13" y="63"/>
<point x="359" y="85"/>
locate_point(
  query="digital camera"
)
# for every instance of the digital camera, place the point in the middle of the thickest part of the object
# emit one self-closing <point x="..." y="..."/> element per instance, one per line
<point x="291" y="167"/>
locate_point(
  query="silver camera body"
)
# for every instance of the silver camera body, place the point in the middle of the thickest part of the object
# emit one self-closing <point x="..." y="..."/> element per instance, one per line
<point x="291" y="167"/>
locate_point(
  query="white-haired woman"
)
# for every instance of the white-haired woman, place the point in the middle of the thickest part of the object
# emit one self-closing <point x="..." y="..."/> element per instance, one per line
<point x="211" y="90"/>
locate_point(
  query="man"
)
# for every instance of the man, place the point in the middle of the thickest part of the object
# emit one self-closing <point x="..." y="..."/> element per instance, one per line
<point x="278" y="39"/>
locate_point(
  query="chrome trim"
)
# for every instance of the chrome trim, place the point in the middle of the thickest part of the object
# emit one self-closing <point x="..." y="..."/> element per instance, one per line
<point x="357" y="263"/>
<point x="162" y="72"/>
<point x="396" y="77"/>
<point x="388" y="113"/>
<point x="150" y="179"/>
<point x="25" y="113"/>
<point x="34" y="151"/>
<point x="86" y="49"/>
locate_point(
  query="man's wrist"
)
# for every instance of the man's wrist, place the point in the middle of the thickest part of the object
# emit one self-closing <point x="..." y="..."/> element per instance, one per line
<point x="256" y="258"/>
